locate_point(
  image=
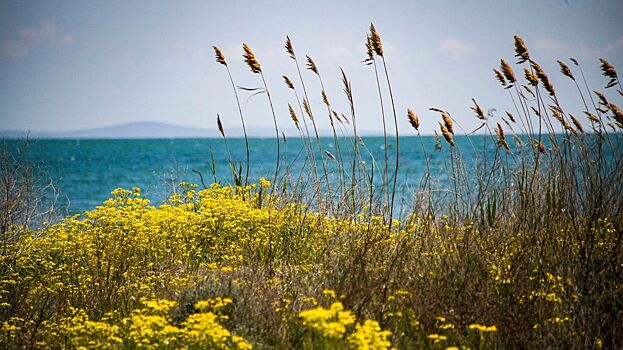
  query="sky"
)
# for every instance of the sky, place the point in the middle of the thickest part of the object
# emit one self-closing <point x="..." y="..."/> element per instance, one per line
<point x="69" y="65"/>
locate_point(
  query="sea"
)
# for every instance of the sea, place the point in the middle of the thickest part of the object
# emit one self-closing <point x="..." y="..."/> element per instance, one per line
<point x="85" y="171"/>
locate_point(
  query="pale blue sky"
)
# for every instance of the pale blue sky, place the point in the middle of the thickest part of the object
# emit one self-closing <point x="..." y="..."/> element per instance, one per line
<point x="67" y="65"/>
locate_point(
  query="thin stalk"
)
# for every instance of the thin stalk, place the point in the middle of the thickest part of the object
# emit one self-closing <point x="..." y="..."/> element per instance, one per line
<point x="391" y="96"/>
<point x="272" y="109"/>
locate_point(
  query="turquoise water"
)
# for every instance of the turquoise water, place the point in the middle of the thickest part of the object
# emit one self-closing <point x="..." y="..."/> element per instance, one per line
<point x="86" y="171"/>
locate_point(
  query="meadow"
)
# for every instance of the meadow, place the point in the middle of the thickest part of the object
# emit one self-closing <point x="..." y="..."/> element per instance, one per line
<point x="518" y="248"/>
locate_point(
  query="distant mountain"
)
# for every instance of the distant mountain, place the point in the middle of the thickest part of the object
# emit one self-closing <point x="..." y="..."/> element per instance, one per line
<point x="156" y="130"/>
<point x="137" y="130"/>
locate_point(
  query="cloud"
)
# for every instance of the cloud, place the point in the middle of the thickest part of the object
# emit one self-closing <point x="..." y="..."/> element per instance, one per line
<point x="25" y="40"/>
<point x="587" y="50"/>
<point x="456" y="49"/>
<point x="551" y="45"/>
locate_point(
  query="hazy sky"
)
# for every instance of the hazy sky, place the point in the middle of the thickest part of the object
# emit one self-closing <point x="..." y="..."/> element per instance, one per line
<point x="67" y="65"/>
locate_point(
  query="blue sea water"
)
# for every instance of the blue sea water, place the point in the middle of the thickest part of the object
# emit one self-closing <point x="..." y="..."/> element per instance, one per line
<point x="86" y="171"/>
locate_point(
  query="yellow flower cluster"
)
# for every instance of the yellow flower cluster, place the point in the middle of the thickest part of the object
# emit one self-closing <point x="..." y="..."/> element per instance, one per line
<point x="369" y="336"/>
<point x="331" y="322"/>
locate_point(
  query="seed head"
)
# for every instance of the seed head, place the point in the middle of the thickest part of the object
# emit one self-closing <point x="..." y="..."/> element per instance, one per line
<point x="413" y="119"/>
<point x="375" y="39"/>
<point x="311" y="65"/>
<point x="565" y="70"/>
<point x="220" y="58"/>
<point x="293" y="116"/>
<point x="250" y="60"/>
<point x="521" y="50"/>
<point x="447" y="122"/>
<point x="477" y="110"/>
<point x="288" y="82"/>
<point x="290" y="48"/>
<point x="446" y="134"/>
<point x="508" y="71"/>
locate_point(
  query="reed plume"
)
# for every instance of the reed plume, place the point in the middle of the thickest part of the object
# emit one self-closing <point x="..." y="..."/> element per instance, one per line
<point x="446" y="134"/>
<point x="592" y="117"/>
<point x="290" y="48"/>
<point x="521" y="50"/>
<point x="311" y="65"/>
<point x="288" y="82"/>
<point x="447" y="122"/>
<point x="540" y="73"/>
<point x="477" y="110"/>
<point x="375" y="40"/>
<point x="531" y="77"/>
<point x="507" y="71"/>
<point x="577" y="123"/>
<point x="293" y="116"/>
<point x="500" y="77"/>
<point x="437" y="141"/>
<point x="608" y="71"/>
<point x="251" y="60"/>
<point x="565" y="70"/>
<point x="220" y="58"/>
<point x="413" y="119"/>
<point x="510" y="116"/>
<point x="501" y="138"/>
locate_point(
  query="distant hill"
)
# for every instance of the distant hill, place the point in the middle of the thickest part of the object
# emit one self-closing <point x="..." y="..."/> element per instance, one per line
<point x="155" y="130"/>
<point x="137" y="130"/>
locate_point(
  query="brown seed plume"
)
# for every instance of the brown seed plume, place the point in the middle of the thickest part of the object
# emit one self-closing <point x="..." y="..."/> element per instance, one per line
<point x="565" y="70"/>
<point x="618" y="114"/>
<point x="540" y="73"/>
<point x="508" y="71"/>
<point x="250" y="60"/>
<point x="220" y="58"/>
<point x="446" y="134"/>
<point x="558" y="116"/>
<point x="602" y="98"/>
<point x="447" y="122"/>
<point x="375" y="39"/>
<point x="510" y="116"/>
<point x="293" y="116"/>
<point x="219" y="125"/>
<point x="369" y="51"/>
<point x="592" y="117"/>
<point x="290" y="48"/>
<point x="517" y="140"/>
<point x="574" y="61"/>
<point x="500" y="77"/>
<point x="521" y="50"/>
<point x="325" y="98"/>
<point x="330" y="155"/>
<point x="311" y="65"/>
<point x="528" y="90"/>
<point x="531" y="77"/>
<point x="541" y="148"/>
<point x="501" y="138"/>
<point x="307" y="109"/>
<point x="576" y="123"/>
<point x="437" y="141"/>
<point x="608" y="70"/>
<point x="288" y="82"/>
<point x="413" y="119"/>
<point x="477" y="110"/>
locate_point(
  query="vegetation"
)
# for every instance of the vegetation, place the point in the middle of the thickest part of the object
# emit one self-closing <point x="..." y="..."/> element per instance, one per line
<point x="521" y="250"/>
